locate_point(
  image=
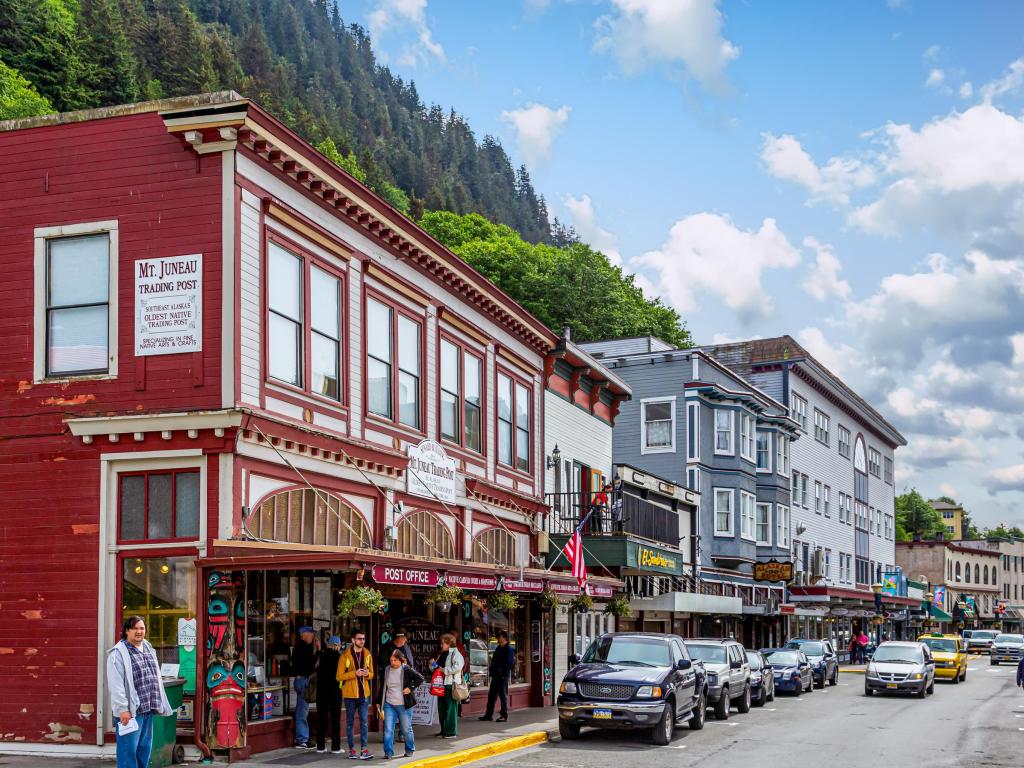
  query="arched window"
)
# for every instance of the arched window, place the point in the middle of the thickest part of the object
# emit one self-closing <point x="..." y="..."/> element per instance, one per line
<point x="967" y="572"/>
<point x="984" y="575"/>
<point x="496" y="546"/>
<point x="958" y="571"/>
<point x="860" y="457"/>
<point x="421" y="533"/>
<point x="303" y="516"/>
<point x="976" y="574"/>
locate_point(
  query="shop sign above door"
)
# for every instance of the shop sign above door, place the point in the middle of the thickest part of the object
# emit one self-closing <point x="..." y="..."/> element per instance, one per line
<point x="471" y="581"/>
<point x="524" y="585"/>
<point x="413" y="577"/>
<point x="431" y="473"/>
<point x="169" y="305"/>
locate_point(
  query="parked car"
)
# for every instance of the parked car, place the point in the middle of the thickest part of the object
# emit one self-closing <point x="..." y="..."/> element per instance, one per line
<point x="980" y="640"/>
<point x="900" y="666"/>
<point x="823" y="658"/>
<point x="790" y="669"/>
<point x="479" y="663"/>
<point x="728" y="674"/>
<point x="633" y="680"/>
<point x="1007" y="648"/>
<point x="949" y="656"/>
<point x="762" y="681"/>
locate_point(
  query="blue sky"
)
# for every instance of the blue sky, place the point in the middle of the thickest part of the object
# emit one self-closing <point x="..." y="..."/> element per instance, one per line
<point x="849" y="173"/>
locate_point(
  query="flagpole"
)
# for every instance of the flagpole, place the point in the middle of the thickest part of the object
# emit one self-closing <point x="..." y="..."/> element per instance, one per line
<point x="575" y="530"/>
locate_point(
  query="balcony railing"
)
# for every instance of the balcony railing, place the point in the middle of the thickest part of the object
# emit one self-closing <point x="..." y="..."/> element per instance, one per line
<point x="623" y="514"/>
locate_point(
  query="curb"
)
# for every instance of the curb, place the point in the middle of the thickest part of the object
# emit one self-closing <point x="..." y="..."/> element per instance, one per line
<point x="463" y="756"/>
<point x="852" y="671"/>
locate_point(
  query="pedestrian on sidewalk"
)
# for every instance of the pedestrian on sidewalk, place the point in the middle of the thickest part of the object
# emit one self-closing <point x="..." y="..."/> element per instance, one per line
<point x="452" y="663"/>
<point x="854" y="650"/>
<point x="1020" y="673"/>
<point x="136" y="693"/>
<point x="503" y="660"/>
<point x="328" y="697"/>
<point x="398" y="697"/>
<point x="303" y="661"/>
<point x="355" y="673"/>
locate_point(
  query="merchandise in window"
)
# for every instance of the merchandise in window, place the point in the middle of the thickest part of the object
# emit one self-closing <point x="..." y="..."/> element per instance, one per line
<point x="161" y="590"/>
<point x="158" y="506"/>
<point x="77" y="305"/>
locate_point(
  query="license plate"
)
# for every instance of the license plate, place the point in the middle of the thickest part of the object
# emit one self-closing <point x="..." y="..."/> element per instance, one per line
<point x="602" y="714"/>
<point x="891" y="685"/>
<point x="1006" y="658"/>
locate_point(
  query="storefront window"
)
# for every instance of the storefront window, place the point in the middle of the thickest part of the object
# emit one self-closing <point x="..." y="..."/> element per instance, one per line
<point x="482" y="629"/>
<point x="161" y="590"/>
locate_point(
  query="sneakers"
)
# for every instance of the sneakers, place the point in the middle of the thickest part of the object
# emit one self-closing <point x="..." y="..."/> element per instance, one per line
<point x="485" y="717"/>
<point x="321" y="751"/>
<point x="503" y="719"/>
<point x="336" y="751"/>
<point x="306" y="745"/>
<point x="409" y="753"/>
<point x="365" y="755"/>
<point x="353" y="755"/>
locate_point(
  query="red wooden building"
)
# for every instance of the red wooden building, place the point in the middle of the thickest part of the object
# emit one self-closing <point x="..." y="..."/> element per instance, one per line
<point x="236" y="383"/>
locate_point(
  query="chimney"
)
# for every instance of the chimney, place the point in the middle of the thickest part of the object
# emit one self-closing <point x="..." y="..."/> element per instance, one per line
<point x="939" y="536"/>
<point x="566" y="332"/>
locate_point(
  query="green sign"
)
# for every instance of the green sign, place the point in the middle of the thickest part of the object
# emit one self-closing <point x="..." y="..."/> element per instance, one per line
<point x="619" y="552"/>
<point x="646" y="557"/>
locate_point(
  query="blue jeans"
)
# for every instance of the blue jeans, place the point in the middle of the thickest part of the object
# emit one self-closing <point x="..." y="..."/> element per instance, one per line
<point x="351" y="707"/>
<point x="301" y="711"/>
<point x="133" y="749"/>
<point x="394" y="712"/>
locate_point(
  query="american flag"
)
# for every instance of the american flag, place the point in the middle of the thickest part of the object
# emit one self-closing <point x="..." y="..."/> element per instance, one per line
<point x="573" y="551"/>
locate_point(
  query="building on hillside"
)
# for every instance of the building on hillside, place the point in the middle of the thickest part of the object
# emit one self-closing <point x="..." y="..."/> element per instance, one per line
<point x="952" y="518"/>
<point x="245" y="385"/>
<point x="963" y="576"/>
<point x="843" y="497"/>
<point x="694" y="422"/>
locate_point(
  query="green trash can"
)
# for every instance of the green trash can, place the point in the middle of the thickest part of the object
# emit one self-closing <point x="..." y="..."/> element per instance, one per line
<point x="165" y="729"/>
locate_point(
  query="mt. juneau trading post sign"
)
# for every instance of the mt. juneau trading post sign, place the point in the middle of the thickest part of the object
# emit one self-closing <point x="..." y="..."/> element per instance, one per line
<point x="431" y="472"/>
<point x="169" y="305"/>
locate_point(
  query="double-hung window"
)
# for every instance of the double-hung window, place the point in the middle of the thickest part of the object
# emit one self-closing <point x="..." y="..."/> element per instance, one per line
<point x="461" y="387"/>
<point x="158" y="505"/>
<point x="874" y="462"/>
<point x="513" y="423"/>
<point x="693" y="431"/>
<point x="723" y="511"/>
<point x="393" y="363"/>
<point x="781" y="454"/>
<point x="286" y="322"/>
<point x="796" y="489"/>
<point x="844" y="442"/>
<point x="325" y="333"/>
<point x="817" y="497"/>
<point x="763" y="524"/>
<point x="888" y="470"/>
<point x="658" y="425"/>
<point x="748" y="503"/>
<point x="764" y="452"/>
<point x="826" y="501"/>
<point x="822" y="425"/>
<point x="803" y="491"/>
<point x="724" y="432"/>
<point x="781" y="525"/>
<point x="747" y="436"/>
<point x="798" y="410"/>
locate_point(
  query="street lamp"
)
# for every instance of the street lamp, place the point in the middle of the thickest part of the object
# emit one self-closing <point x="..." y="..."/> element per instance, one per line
<point x="929" y="598"/>
<point x="877" y="589"/>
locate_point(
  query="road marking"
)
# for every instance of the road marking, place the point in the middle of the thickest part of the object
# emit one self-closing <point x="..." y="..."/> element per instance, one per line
<point x="773" y="709"/>
<point x="675" y="746"/>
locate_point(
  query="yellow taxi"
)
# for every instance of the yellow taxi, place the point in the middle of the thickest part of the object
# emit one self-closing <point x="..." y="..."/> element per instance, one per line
<point x="949" y="654"/>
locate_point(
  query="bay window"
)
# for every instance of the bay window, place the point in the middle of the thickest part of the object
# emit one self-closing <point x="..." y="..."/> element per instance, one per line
<point x="461" y="387"/>
<point x="764" y="442"/>
<point x="723" y="511"/>
<point x="513" y="423"/>
<point x="393" y="359"/>
<point x="747" y="436"/>
<point x="747" y="514"/>
<point x="724" y="432"/>
<point x="763" y="523"/>
<point x="781" y="526"/>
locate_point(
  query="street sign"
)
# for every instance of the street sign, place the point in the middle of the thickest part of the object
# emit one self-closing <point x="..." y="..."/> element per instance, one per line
<point x="773" y="570"/>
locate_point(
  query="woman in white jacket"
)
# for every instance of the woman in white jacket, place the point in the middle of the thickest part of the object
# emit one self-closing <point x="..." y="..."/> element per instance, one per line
<point x="452" y="662"/>
<point x="136" y="693"/>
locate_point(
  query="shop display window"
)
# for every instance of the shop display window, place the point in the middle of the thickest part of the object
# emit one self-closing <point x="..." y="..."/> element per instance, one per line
<point x="480" y="634"/>
<point x="161" y="590"/>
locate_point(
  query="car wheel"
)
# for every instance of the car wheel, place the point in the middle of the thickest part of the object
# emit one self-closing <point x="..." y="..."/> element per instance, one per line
<point x="722" y="707"/>
<point x="699" y="713"/>
<point x="771" y="696"/>
<point x="568" y="731"/>
<point x="666" y="727"/>
<point x="923" y="692"/>
<point x="743" y="703"/>
<point x="799" y="689"/>
<point x="868" y="691"/>
<point x="762" y="696"/>
<point x="834" y="680"/>
<point x="956" y="679"/>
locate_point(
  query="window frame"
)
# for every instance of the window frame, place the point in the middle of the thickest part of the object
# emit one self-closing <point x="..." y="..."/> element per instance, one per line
<point x="146" y="473"/>
<point x="767" y="469"/>
<point x="826" y="500"/>
<point x="397" y="309"/>
<point x="758" y="506"/>
<point x="731" y="451"/>
<point x="874" y="467"/>
<point x="887" y="470"/>
<point x="782" y="525"/>
<point x="731" y="492"/>
<point x="692" y="431"/>
<point x="671" y="447"/>
<point x="817" y="496"/>
<point x="798" y="409"/>
<point x="464" y="350"/>
<point x="781" y="454"/>
<point x="822" y="427"/>
<point x="843" y="431"/>
<point x="748" y="499"/>
<point x="500" y="371"/>
<point x="42" y="236"/>
<point x="748" y="437"/>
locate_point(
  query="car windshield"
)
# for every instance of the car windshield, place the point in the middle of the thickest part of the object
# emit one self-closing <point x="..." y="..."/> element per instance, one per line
<point x="713" y="653"/>
<point x="755" y="661"/>
<point x="1017" y="639"/>
<point x="629" y="651"/>
<point x="811" y="649"/>
<point x="899" y="654"/>
<point x="983" y="634"/>
<point x="940" y="644"/>
<point x="784" y="658"/>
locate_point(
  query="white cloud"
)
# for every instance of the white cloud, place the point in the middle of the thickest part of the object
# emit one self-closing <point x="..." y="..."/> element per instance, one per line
<point x="536" y="127"/>
<point x="786" y="159"/>
<point x="408" y="15"/>
<point x="966" y="90"/>
<point x="936" y="79"/>
<point x="822" y="279"/>
<point x="585" y="223"/>
<point x="1017" y="340"/>
<point x="706" y="254"/>
<point x="840" y="359"/>
<point x="927" y="452"/>
<point x="1008" y="83"/>
<point x="642" y="33"/>
<point x="946" y="489"/>
<point x="1009" y="478"/>
<point x="931" y="53"/>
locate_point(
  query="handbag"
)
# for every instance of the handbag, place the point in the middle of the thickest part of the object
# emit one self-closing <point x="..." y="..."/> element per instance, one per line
<point x="309" y="695"/>
<point x="460" y="691"/>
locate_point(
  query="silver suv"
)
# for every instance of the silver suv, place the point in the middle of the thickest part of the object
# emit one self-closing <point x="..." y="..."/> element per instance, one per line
<point x="728" y="674"/>
<point x="900" y="666"/>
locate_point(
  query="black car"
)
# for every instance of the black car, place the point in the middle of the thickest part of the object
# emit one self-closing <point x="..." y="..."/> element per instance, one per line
<point x="762" y="680"/>
<point x="823" y="658"/>
<point x="633" y="680"/>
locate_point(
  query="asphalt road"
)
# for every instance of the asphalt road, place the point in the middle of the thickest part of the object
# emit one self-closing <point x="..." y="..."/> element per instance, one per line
<point x="980" y="723"/>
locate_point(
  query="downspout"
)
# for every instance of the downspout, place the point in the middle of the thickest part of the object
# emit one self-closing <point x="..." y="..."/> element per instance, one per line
<point x="198" y="708"/>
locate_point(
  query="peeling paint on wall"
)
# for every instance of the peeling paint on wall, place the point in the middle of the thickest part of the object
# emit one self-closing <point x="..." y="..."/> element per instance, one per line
<point x="31" y="651"/>
<point x="86" y="711"/>
<point x="75" y="400"/>
<point x="6" y="651"/>
<point x="32" y="615"/>
<point x="24" y="386"/>
<point x="84" y="528"/>
<point x="60" y="732"/>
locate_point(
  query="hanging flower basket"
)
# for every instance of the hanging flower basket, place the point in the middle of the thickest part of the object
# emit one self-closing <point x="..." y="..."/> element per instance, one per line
<point x="582" y="603"/>
<point x="361" y="600"/>
<point x="618" y="607"/>
<point x="502" y="602"/>
<point x="548" y="599"/>
<point x="443" y="597"/>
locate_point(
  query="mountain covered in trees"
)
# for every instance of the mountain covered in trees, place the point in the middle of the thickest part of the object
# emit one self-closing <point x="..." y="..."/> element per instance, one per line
<point x="300" y="61"/>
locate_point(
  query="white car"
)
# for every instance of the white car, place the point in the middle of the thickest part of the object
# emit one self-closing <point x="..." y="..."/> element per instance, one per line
<point x="897" y="667"/>
<point x="1007" y="648"/>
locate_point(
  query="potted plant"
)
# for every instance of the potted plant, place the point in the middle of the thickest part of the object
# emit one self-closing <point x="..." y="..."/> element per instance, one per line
<point x="548" y="599"/>
<point x="443" y="597"/>
<point x="361" y="600"/>
<point x="582" y="603"/>
<point x="618" y="607"/>
<point x="502" y="602"/>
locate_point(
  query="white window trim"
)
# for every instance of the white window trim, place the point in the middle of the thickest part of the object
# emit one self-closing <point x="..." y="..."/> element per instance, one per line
<point x="671" y="448"/>
<point x="751" y="438"/>
<point x="781" y="525"/>
<point x="693" y="417"/>
<point x="771" y="461"/>
<point x="760" y="542"/>
<point x="732" y="511"/>
<point x="826" y="500"/>
<point x="744" y="495"/>
<point x="732" y="433"/>
<point x="817" y="496"/>
<point x="40" y="236"/>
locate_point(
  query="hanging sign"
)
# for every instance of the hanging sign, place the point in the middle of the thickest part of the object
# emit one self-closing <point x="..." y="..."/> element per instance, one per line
<point x="773" y="570"/>
<point x="169" y="305"/>
<point x="562" y="588"/>
<point x="431" y="473"/>
<point x="472" y="581"/>
<point x="524" y="585"/>
<point x="412" y="577"/>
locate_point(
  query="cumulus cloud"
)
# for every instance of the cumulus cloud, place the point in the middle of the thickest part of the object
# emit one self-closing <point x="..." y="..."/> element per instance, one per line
<point x="931" y="53"/>
<point x="966" y="89"/>
<point x="537" y="127"/>
<point x="1009" y="478"/>
<point x="674" y="33"/>
<point x="785" y="158"/>
<point x="926" y="452"/>
<point x="585" y="223"/>
<point x="823" y="279"/>
<point x="841" y="359"/>
<point x="946" y="489"/>
<point x="707" y="255"/>
<point x="936" y="79"/>
<point x="410" y="16"/>
<point x="1007" y="84"/>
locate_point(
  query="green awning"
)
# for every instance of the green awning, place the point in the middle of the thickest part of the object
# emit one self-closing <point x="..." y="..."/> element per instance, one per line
<point x="939" y="614"/>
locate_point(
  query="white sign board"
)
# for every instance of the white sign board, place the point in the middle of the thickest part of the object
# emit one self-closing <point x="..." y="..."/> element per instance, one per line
<point x="187" y="633"/>
<point x="425" y="710"/>
<point x="431" y="473"/>
<point x="169" y="305"/>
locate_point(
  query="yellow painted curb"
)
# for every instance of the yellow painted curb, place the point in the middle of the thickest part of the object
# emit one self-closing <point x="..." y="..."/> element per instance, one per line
<point x="463" y="756"/>
<point x="852" y="671"/>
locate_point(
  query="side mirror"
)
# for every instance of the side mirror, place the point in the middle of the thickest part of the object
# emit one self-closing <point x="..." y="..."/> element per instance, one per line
<point x="574" y="659"/>
<point x="683" y="664"/>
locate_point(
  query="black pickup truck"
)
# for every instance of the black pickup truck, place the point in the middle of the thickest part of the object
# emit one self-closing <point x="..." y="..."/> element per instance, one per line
<point x="633" y="680"/>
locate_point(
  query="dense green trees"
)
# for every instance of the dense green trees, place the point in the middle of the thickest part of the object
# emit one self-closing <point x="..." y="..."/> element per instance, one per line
<point x="17" y="96"/>
<point x="915" y="517"/>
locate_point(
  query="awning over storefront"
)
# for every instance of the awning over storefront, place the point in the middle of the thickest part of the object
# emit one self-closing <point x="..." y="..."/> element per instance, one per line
<point x="938" y="614"/>
<point x="626" y="552"/>
<point x="689" y="602"/>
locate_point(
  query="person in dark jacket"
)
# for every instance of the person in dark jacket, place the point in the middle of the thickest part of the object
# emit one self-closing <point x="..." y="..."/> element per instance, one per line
<point x="400" y="642"/>
<point x="1020" y="673"/>
<point x="303" y="659"/>
<point x="328" y="696"/>
<point x="503" y="660"/>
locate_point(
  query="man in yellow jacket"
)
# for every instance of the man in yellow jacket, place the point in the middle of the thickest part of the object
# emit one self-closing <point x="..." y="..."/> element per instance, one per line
<point x="355" y="673"/>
